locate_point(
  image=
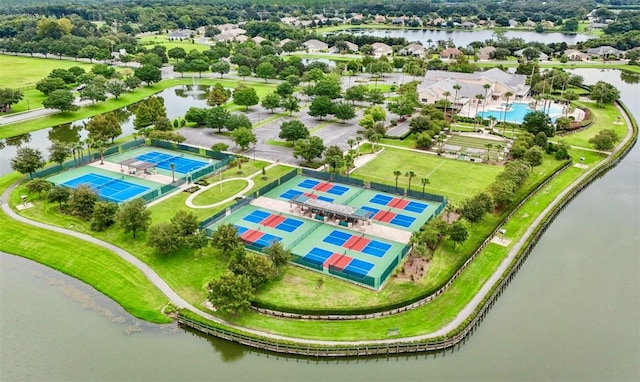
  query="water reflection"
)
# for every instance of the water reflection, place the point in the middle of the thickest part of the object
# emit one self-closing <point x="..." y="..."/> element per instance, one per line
<point x="18" y="140"/>
<point x="629" y="77"/>
<point x="196" y="92"/>
<point x="67" y="133"/>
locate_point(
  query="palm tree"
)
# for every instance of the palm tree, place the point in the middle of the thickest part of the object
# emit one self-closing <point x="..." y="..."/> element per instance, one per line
<point x="486" y="90"/>
<point x="506" y="105"/>
<point x="351" y="142"/>
<point x="498" y="148"/>
<point x="410" y="175"/>
<point x="457" y="88"/>
<point x="489" y="146"/>
<point x="172" y="166"/>
<point x="446" y="101"/>
<point x="424" y="182"/>
<point x="374" y="139"/>
<point x="397" y="174"/>
<point x="358" y="140"/>
<point x="479" y="98"/>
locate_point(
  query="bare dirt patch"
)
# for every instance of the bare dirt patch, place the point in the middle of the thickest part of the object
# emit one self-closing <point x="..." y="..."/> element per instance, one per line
<point x="414" y="268"/>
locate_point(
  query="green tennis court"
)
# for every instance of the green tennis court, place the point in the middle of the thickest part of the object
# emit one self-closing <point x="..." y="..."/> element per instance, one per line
<point x="386" y="209"/>
<point x="348" y="254"/>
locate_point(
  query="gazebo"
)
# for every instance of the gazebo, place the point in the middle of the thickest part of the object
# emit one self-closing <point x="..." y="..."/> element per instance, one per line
<point x="328" y="210"/>
<point x="134" y="165"/>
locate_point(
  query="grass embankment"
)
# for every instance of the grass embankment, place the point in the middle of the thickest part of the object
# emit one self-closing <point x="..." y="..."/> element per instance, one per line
<point x="567" y="65"/>
<point x="186" y="271"/>
<point x="124" y="100"/>
<point x="605" y="118"/>
<point x="96" y="266"/>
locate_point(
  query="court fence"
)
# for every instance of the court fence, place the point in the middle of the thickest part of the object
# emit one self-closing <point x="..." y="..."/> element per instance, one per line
<point x="226" y="212"/>
<point x="332" y="177"/>
<point x="81" y="158"/>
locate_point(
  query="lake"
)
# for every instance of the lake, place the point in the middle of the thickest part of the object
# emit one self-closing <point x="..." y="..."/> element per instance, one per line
<point x="571" y="313"/>
<point x="464" y="38"/>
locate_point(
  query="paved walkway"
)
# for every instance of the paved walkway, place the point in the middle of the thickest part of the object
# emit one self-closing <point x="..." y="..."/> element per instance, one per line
<point x="181" y="303"/>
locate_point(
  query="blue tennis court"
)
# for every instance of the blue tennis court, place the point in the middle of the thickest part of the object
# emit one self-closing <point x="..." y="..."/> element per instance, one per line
<point x="357" y="243"/>
<point x="164" y="161"/>
<point x="290" y="194"/>
<point x="112" y="189"/>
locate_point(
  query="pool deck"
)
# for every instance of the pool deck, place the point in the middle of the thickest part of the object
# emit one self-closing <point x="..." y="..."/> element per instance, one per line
<point x="469" y="110"/>
<point x="372" y="228"/>
<point x="158" y="178"/>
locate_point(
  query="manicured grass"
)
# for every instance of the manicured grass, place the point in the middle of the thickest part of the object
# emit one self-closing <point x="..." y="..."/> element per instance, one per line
<point x="604" y="119"/>
<point x="449" y="177"/>
<point x="473" y="142"/>
<point x="274" y="142"/>
<point x="163" y="40"/>
<point x="20" y="71"/>
<point x="323" y="56"/>
<point x="408" y="142"/>
<point x="568" y="65"/>
<point x="219" y="192"/>
<point x="90" y="263"/>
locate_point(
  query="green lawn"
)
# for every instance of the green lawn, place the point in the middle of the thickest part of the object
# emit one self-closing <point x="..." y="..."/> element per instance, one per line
<point x="452" y="178"/>
<point x="20" y="72"/>
<point x="604" y="117"/>
<point x="164" y="41"/>
<point x="90" y="263"/>
<point x="473" y="142"/>
<point x="220" y="192"/>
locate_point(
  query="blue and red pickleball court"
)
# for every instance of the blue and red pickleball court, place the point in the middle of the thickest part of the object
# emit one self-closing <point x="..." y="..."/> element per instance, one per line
<point x="347" y="264"/>
<point x="255" y="237"/>
<point x="328" y="187"/>
<point x="276" y="221"/>
<point x="291" y="193"/>
<point x="357" y="243"/>
<point x="399" y="203"/>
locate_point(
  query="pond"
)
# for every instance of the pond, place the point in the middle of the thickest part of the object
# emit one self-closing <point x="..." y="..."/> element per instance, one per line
<point x="464" y="38"/>
<point x="177" y="100"/>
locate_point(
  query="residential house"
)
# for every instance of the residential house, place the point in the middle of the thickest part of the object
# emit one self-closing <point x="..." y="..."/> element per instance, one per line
<point x="381" y="49"/>
<point x="182" y="33"/>
<point x="314" y="45"/>
<point x="258" y="40"/>
<point x="529" y="24"/>
<point x="576" y="55"/>
<point x="241" y="38"/>
<point x="606" y="51"/>
<point x="437" y="21"/>
<point x="235" y="31"/>
<point x="397" y="21"/>
<point x="485" y="52"/>
<point x="379" y="19"/>
<point x="541" y="56"/>
<point x="413" y="49"/>
<point x="225" y="27"/>
<point x="226" y="36"/>
<point x="282" y="42"/>
<point x="350" y="47"/>
<point x="437" y="82"/>
<point x="320" y="17"/>
<point x="289" y="20"/>
<point x="468" y="25"/>
<point x="450" y="53"/>
<point x="513" y="23"/>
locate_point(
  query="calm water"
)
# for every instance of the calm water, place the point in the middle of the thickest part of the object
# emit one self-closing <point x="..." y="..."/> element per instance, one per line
<point x="177" y="101"/>
<point x="464" y="38"/>
<point x="572" y="313"/>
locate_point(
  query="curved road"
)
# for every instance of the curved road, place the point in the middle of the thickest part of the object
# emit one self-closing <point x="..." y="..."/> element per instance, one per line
<point x="180" y="302"/>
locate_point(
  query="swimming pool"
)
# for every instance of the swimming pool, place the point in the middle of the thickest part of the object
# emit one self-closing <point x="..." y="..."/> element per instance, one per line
<point x="517" y="111"/>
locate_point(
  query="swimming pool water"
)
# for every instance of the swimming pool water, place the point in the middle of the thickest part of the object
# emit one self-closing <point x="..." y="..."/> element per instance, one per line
<point x="517" y="111"/>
